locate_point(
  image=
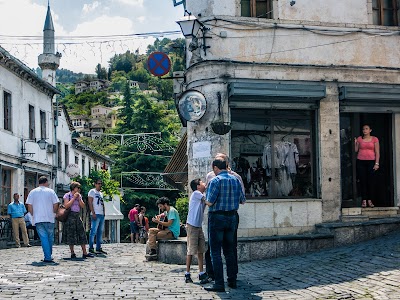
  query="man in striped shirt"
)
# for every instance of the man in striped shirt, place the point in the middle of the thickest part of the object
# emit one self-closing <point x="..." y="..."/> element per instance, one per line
<point x="224" y="194"/>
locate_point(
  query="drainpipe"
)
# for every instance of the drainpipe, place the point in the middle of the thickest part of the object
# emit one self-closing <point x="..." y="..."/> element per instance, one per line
<point x="55" y="167"/>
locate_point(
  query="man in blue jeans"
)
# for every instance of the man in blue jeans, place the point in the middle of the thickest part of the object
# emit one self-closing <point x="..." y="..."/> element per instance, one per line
<point x="96" y="205"/>
<point x="42" y="204"/>
<point x="224" y="193"/>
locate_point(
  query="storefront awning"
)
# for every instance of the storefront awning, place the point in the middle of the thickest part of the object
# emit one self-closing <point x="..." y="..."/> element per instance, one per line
<point x="370" y="98"/>
<point x="243" y="92"/>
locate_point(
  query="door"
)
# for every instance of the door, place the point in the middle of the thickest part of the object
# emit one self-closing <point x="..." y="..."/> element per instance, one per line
<point x="350" y="127"/>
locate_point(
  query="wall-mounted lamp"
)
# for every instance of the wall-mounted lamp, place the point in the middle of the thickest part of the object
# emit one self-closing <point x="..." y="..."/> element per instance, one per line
<point x="42" y="145"/>
<point x="190" y="27"/>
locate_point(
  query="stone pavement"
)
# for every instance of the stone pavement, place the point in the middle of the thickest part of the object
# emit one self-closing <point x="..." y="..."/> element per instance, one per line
<point x="370" y="270"/>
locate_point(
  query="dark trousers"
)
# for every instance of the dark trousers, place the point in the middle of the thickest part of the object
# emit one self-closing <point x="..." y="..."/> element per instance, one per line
<point x="35" y="234"/>
<point x="209" y="267"/>
<point x="366" y="176"/>
<point x="222" y="236"/>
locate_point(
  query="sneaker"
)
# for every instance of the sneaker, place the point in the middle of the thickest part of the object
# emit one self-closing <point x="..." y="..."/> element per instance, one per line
<point x="101" y="251"/>
<point x="73" y="255"/>
<point x="188" y="279"/>
<point x="28" y="245"/>
<point x="88" y="255"/>
<point x="91" y="250"/>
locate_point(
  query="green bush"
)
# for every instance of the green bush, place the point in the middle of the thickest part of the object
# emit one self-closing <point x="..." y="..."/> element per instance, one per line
<point x="182" y="205"/>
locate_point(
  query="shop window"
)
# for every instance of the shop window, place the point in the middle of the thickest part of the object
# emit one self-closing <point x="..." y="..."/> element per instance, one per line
<point x="273" y="152"/>
<point x="7" y="111"/>
<point x="257" y="8"/>
<point x="5" y="196"/>
<point x="386" y="12"/>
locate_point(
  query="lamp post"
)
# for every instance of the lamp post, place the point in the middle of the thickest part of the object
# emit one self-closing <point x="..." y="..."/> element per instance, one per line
<point x="190" y="27"/>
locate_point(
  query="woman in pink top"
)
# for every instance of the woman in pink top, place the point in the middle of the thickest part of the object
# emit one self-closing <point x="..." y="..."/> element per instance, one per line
<point x="73" y="231"/>
<point x="367" y="149"/>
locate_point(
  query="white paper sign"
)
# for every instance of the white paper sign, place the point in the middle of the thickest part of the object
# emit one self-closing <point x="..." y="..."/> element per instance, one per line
<point x="201" y="149"/>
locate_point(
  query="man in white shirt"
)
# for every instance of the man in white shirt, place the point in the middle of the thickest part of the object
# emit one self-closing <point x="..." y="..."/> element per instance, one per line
<point x="42" y="204"/>
<point x="96" y="205"/>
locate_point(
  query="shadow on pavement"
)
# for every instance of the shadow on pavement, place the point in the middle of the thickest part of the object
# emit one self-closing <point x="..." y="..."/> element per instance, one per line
<point x="43" y="264"/>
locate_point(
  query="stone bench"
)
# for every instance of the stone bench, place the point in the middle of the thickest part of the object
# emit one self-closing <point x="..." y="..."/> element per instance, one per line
<point x="327" y="235"/>
<point x="250" y="249"/>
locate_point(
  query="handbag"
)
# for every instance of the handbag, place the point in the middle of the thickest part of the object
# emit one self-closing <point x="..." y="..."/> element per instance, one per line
<point x="63" y="213"/>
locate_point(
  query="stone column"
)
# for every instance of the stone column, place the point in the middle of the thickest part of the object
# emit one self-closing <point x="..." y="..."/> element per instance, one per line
<point x="329" y="135"/>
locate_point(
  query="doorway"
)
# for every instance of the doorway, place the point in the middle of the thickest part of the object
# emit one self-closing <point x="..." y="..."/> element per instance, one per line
<point x="351" y="127"/>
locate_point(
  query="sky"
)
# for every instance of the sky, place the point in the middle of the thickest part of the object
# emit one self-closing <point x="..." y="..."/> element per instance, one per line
<point x="78" y="26"/>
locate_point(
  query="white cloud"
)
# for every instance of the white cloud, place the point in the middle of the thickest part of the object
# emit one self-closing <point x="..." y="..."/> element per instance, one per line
<point x="130" y="2"/>
<point x="90" y="7"/>
<point x="141" y="19"/>
<point x="85" y="56"/>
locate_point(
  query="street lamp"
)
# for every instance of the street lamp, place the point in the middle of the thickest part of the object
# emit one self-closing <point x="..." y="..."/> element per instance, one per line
<point x="42" y="145"/>
<point x="190" y="27"/>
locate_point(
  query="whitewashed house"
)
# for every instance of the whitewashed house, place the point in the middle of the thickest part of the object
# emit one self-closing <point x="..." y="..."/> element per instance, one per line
<point x="301" y="74"/>
<point x="26" y="118"/>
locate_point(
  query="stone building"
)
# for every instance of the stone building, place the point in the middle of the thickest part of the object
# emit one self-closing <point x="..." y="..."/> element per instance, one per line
<point x="294" y="82"/>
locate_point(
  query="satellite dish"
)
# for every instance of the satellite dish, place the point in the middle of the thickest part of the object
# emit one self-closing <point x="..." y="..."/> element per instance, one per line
<point x="192" y="105"/>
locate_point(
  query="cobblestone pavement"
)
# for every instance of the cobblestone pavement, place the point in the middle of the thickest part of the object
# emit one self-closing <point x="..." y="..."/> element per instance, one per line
<point x="369" y="270"/>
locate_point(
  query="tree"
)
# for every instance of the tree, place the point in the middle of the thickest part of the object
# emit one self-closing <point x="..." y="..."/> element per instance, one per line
<point x="124" y="126"/>
<point x="101" y="72"/>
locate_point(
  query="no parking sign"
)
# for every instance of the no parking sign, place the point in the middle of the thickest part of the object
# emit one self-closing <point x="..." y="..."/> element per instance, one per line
<point x="159" y="64"/>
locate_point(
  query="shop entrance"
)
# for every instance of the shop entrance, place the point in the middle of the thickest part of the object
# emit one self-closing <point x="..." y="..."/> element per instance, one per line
<point x="351" y="127"/>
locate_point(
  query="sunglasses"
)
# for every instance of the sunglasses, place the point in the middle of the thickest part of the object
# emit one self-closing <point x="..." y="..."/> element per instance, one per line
<point x="99" y="183"/>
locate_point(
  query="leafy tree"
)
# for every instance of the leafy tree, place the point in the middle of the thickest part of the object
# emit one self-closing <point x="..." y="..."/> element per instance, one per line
<point x="101" y="72"/>
<point x="126" y="114"/>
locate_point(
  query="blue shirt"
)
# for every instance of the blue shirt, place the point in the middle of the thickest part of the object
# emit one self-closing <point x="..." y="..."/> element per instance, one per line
<point x="175" y="227"/>
<point x="225" y="192"/>
<point x="16" y="210"/>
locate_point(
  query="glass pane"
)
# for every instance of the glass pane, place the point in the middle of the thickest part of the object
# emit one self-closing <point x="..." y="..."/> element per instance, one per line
<point x="292" y="158"/>
<point x="261" y="9"/>
<point x="246" y="8"/>
<point x="250" y="134"/>
<point x="375" y="3"/>
<point x="388" y="18"/>
<point x="376" y="18"/>
<point x="387" y="3"/>
<point x="273" y="152"/>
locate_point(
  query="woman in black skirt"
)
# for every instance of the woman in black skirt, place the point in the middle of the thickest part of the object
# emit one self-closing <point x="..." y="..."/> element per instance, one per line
<point x="73" y="231"/>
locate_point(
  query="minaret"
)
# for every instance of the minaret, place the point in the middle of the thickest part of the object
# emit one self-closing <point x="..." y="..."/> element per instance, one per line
<point x="49" y="60"/>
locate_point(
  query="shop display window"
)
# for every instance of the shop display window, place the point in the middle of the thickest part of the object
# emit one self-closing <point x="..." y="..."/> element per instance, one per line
<point x="273" y="152"/>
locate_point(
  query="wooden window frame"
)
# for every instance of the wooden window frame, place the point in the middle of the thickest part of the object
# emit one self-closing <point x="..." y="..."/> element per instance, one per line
<point x="66" y="155"/>
<point x="381" y="12"/>
<point x="7" y="111"/>
<point x="59" y="155"/>
<point x="31" y="119"/>
<point x="267" y="15"/>
<point x="43" y="125"/>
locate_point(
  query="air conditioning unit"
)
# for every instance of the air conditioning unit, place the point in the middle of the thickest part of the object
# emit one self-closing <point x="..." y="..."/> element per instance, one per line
<point x="51" y="148"/>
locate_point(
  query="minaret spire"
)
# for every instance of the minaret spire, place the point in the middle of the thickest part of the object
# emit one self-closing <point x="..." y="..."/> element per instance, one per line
<point x="49" y="61"/>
